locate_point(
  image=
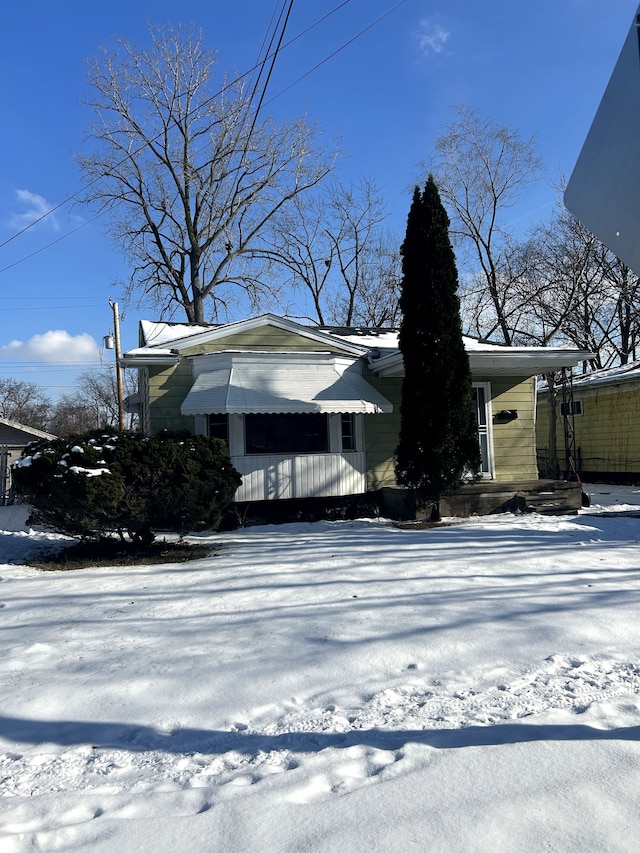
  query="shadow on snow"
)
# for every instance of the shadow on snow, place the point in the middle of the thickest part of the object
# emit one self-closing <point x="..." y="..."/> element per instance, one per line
<point x="203" y="741"/>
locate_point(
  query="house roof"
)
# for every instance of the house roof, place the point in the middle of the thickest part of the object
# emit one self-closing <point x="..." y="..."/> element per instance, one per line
<point x="156" y="334"/>
<point x="177" y="337"/>
<point x="30" y="433"/>
<point x="275" y="383"/>
<point x="372" y="339"/>
<point x="488" y="359"/>
<point x="162" y="344"/>
<point x="620" y="375"/>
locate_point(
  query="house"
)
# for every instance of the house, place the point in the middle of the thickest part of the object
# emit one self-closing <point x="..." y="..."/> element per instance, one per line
<point x="602" y="422"/>
<point x="314" y="411"/>
<point x="14" y="437"/>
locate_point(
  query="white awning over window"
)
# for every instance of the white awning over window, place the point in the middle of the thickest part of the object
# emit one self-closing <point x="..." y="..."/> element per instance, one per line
<point x="267" y="383"/>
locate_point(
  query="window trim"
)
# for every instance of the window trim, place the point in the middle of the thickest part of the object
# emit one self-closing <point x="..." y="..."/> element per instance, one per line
<point x="237" y="436"/>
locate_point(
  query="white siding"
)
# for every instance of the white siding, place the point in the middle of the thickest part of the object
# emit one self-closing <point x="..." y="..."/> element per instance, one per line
<point x="304" y="476"/>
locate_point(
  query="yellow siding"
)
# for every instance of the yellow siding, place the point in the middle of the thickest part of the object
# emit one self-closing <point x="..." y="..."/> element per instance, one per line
<point x="514" y="441"/>
<point x="143" y="393"/>
<point x="262" y="339"/>
<point x="167" y="389"/>
<point x="381" y="434"/>
<point x="607" y="434"/>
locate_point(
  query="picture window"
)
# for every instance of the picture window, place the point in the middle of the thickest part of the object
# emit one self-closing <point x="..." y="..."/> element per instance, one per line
<point x="286" y="433"/>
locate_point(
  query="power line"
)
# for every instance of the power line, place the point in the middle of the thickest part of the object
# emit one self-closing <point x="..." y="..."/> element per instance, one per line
<point x="273" y="62"/>
<point x="38" y="298"/>
<point x="207" y="101"/>
<point x="39" y="371"/>
<point x="244" y="112"/>
<point x="153" y="139"/>
<point x="55" y="307"/>
<point x="67" y="365"/>
<point x="53" y="242"/>
<point x="338" y="50"/>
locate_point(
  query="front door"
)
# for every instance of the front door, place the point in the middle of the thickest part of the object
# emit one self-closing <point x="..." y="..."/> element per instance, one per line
<point x="481" y="401"/>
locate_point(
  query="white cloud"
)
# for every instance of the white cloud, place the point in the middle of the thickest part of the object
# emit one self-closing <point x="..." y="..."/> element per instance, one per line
<point x="432" y="38"/>
<point x="53" y="346"/>
<point x="35" y="206"/>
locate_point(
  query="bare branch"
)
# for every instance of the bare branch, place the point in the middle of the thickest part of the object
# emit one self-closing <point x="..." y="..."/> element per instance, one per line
<point x="189" y="194"/>
<point x="481" y="168"/>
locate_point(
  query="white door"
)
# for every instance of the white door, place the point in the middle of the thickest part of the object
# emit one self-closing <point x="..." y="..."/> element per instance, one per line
<point x="481" y="401"/>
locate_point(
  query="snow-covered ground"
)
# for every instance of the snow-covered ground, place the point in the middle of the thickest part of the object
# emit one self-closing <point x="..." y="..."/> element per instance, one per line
<point x="341" y="686"/>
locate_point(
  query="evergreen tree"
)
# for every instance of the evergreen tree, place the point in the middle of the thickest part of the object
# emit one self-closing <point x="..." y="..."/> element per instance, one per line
<point x="96" y="484"/>
<point x="438" y="440"/>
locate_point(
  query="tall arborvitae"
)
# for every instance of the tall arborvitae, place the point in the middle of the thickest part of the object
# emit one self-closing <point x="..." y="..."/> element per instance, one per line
<point x="438" y="432"/>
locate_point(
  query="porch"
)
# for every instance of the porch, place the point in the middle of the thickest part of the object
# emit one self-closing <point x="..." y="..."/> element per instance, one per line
<point x="550" y="497"/>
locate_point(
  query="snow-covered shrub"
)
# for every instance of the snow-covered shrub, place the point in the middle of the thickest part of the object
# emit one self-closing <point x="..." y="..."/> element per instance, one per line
<point x="100" y="483"/>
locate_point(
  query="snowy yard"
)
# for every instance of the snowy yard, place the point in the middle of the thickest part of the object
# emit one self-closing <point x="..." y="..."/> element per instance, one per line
<point x="342" y="686"/>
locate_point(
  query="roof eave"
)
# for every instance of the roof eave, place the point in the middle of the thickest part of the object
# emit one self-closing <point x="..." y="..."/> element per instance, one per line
<point x="504" y="363"/>
<point x="531" y="363"/>
<point x="132" y="361"/>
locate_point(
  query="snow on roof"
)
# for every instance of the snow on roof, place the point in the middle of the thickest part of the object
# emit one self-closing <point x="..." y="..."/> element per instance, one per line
<point x="159" y="334"/>
<point x="608" y="375"/>
<point x="372" y="338"/>
<point x="387" y="339"/>
<point x="145" y="350"/>
<point x="156" y="334"/>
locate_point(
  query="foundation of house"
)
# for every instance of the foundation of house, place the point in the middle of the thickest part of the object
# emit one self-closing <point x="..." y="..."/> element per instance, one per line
<point x="551" y="497"/>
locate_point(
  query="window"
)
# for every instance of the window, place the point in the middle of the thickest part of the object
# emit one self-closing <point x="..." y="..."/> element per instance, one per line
<point x="285" y="433"/>
<point x="348" y="431"/>
<point x="572" y="408"/>
<point x="219" y="427"/>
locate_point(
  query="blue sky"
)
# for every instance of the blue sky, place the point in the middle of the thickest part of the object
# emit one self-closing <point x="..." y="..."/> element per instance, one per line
<point x="538" y="67"/>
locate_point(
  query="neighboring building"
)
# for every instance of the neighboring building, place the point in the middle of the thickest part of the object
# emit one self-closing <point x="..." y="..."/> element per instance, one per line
<point x="603" y="420"/>
<point x="13" y="438"/>
<point x="314" y="411"/>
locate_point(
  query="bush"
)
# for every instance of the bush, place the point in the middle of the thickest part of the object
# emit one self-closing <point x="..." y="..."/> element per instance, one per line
<point x="127" y="483"/>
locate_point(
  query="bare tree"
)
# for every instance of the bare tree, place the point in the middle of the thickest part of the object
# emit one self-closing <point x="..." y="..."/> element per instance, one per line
<point x="624" y="289"/>
<point x="189" y="174"/>
<point x="305" y="255"/>
<point x="72" y="417"/>
<point x="94" y="405"/>
<point x="577" y="292"/>
<point x="481" y="168"/>
<point x="335" y="251"/>
<point x="378" y="302"/>
<point x="24" y="402"/>
<point x="574" y="291"/>
<point x="559" y="272"/>
<point x="357" y="211"/>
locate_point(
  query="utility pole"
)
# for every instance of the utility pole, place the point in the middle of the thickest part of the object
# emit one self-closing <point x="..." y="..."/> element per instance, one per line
<point x="116" y="334"/>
